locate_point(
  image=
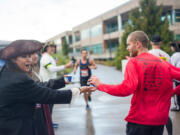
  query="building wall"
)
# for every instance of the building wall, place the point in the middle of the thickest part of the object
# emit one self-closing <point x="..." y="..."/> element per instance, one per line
<point x="111" y="26"/>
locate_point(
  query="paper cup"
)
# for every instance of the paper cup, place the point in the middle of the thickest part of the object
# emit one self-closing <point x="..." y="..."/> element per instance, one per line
<point x="92" y="85"/>
<point x="69" y="78"/>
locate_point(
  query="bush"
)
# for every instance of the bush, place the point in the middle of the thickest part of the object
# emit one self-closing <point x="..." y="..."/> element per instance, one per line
<point x="109" y="63"/>
<point x="147" y="19"/>
<point x="62" y="60"/>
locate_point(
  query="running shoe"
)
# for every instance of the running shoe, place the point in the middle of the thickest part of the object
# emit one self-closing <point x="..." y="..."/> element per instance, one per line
<point x="87" y="107"/>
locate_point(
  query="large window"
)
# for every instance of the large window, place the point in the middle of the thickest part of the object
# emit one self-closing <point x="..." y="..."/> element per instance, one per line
<point x="70" y="50"/>
<point x="178" y="37"/>
<point x="112" y="45"/>
<point x="87" y="48"/>
<point x="57" y="41"/>
<point x="78" y="50"/>
<point x="97" y="48"/>
<point x="169" y="16"/>
<point x="111" y="25"/>
<point x="77" y="36"/>
<point x="85" y="34"/>
<point x="177" y="15"/>
<point x="70" y="39"/>
<point x="96" y="30"/>
<point x="124" y="24"/>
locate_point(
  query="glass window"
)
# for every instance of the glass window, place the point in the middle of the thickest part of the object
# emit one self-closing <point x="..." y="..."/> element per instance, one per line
<point x="177" y="15"/>
<point x="169" y="16"/>
<point x="77" y="36"/>
<point x="87" y="48"/>
<point x="170" y="19"/>
<point x="178" y="37"/>
<point x="78" y="50"/>
<point x="112" y="45"/>
<point x="85" y="34"/>
<point x="124" y="24"/>
<point x="70" y="39"/>
<point x="96" y="30"/>
<point x="57" y="42"/>
<point x="70" y="50"/>
<point x="111" y="27"/>
<point x="97" y="48"/>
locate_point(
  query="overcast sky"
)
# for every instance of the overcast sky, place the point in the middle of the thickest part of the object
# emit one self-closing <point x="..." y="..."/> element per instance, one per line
<point x="43" y="19"/>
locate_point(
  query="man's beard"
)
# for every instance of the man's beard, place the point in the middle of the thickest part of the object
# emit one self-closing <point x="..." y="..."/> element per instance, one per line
<point x="134" y="54"/>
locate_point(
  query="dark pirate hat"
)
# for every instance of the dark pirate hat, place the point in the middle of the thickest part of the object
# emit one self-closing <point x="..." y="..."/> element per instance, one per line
<point x="46" y="46"/>
<point x="19" y="48"/>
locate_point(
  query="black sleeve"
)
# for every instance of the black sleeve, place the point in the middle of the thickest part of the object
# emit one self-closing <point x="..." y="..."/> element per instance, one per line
<point x="29" y="91"/>
<point x="54" y="83"/>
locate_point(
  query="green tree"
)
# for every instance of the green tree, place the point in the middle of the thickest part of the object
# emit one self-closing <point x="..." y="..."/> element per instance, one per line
<point x="121" y="52"/>
<point x="167" y="36"/>
<point x="65" y="47"/>
<point x="148" y="18"/>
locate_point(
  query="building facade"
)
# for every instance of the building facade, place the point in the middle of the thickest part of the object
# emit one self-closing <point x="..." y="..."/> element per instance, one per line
<point x="3" y="44"/>
<point x="101" y="35"/>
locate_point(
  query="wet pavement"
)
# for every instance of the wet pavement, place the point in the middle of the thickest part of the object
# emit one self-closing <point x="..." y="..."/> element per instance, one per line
<point x="107" y="113"/>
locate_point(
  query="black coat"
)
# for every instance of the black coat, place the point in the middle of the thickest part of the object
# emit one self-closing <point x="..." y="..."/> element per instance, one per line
<point x="41" y="126"/>
<point x="18" y="95"/>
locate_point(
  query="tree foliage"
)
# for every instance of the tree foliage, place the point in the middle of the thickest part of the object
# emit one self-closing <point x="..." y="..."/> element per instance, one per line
<point x="148" y="18"/>
<point x="65" y="47"/>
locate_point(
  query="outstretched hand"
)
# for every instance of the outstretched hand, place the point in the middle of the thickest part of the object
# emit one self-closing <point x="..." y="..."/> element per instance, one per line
<point x="66" y="79"/>
<point x="84" y="89"/>
<point x="95" y="81"/>
<point x="68" y="65"/>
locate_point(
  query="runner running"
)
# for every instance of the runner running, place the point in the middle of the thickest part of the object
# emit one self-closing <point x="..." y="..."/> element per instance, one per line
<point x="86" y="65"/>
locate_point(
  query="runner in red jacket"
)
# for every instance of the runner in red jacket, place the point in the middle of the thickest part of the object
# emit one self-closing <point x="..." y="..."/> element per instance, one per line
<point x="149" y="79"/>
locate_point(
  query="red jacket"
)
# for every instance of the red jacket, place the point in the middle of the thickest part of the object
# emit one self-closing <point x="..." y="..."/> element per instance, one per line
<point x="149" y="79"/>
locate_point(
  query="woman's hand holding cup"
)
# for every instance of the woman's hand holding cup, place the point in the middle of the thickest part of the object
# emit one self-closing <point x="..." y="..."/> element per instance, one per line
<point x="68" y="79"/>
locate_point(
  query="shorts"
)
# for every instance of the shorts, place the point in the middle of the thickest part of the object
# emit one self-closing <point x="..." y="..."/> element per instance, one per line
<point x="138" y="129"/>
<point x="83" y="81"/>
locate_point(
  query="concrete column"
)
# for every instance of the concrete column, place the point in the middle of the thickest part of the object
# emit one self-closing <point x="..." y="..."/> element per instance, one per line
<point x="73" y="37"/>
<point x="73" y="42"/>
<point x="173" y="16"/>
<point x="67" y="39"/>
<point x="119" y="23"/>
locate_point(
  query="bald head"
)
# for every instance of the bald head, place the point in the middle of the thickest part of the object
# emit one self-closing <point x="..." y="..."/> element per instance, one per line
<point x="139" y="36"/>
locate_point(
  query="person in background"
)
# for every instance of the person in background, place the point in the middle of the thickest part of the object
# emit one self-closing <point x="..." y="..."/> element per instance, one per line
<point x="175" y="60"/>
<point x="49" y="69"/>
<point x="19" y="93"/>
<point x="85" y="65"/>
<point x="156" y="42"/>
<point x="149" y="79"/>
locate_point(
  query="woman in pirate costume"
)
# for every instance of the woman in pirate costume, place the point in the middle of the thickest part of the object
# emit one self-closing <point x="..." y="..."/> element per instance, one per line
<point x="19" y="93"/>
